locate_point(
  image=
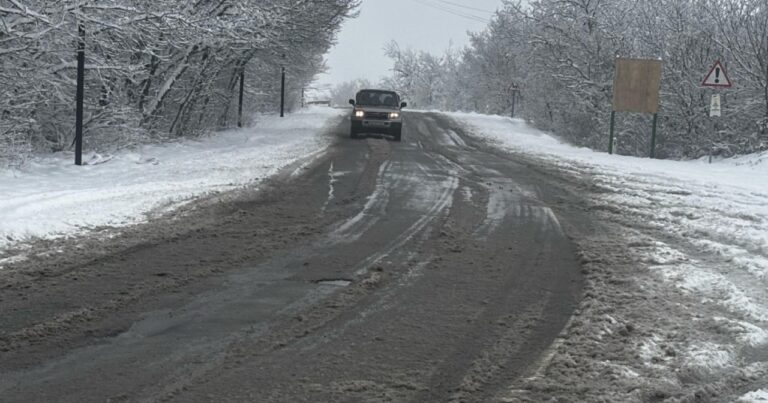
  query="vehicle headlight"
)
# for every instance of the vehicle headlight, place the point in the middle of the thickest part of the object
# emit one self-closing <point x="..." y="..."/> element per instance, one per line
<point x="394" y="115"/>
<point x="359" y="114"/>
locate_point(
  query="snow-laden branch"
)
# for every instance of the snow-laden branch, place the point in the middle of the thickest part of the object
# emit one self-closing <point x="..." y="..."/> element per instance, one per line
<point x="155" y="65"/>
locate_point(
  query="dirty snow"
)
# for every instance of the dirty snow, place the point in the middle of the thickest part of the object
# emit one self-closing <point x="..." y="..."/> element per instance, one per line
<point x="697" y="235"/>
<point x="755" y="397"/>
<point x="51" y="197"/>
<point x="692" y="317"/>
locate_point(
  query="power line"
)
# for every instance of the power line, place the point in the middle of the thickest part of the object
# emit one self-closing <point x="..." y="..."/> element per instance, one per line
<point x="454" y="12"/>
<point x="467" y="7"/>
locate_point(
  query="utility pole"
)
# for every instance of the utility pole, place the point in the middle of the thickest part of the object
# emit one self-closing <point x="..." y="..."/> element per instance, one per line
<point x="653" y="135"/>
<point x="514" y="98"/>
<point x="240" y="105"/>
<point x="80" y="94"/>
<point x="282" y="89"/>
<point x="282" y="94"/>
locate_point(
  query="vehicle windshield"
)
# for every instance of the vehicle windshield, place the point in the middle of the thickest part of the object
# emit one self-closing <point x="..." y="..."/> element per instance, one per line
<point x="377" y="98"/>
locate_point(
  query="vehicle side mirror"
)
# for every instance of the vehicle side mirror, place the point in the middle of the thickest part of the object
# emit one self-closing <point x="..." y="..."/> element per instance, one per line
<point x="403" y="104"/>
<point x="352" y="102"/>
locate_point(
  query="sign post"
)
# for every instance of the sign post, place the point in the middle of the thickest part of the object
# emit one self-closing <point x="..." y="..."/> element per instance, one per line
<point x="80" y="94"/>
<point x="714" y="106"/>
<point x="653" y="136"/>
<point x="613" y="124"/>
<point x="282" y="92"/>
<point x="636" y="84"/>
<point x="282" y="87"/>
<point x="514" y="91"/>
<point x="717" y="78"/>
<point x="240" y="104"/>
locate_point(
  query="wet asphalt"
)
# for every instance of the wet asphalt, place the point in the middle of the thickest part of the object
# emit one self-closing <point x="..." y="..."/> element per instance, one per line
<point x="432" y="269"/>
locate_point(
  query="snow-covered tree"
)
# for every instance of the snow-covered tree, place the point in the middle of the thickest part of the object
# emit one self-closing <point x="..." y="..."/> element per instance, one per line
<point x="153" y="68"/>
<point x="560" y="56"/>
<point x="343" y="92"/>
<point x="418" y="76"/>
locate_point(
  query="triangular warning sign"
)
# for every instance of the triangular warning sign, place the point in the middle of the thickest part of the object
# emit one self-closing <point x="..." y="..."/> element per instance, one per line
<point x="716" y="77"/>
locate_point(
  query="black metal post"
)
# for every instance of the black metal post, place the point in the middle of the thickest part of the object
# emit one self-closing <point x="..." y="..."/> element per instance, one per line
<point x="653" y="136"/>
<point x="610" y="142"/>
<point x="240" y="105"/>
<point x="514" y="96"/>
<point x="80" y="95"/>
<point x="282" y="94"/>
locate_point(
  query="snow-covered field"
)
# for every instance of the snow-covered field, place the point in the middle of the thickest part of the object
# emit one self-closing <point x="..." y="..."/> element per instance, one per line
<point x="698" y="234"/>
<point x="52" y="197"/>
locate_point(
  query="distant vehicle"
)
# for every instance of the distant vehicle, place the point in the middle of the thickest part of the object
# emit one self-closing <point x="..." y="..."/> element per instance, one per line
<point x="326" y="102"/>
<point x="377" y="111"/>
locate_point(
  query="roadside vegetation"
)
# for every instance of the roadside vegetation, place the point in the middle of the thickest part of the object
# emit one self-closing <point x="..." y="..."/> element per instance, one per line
<point x="155" y="70"/>
<point x="557" y="59"/>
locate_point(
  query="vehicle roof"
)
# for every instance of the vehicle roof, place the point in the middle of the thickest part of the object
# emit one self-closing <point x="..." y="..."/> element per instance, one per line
<point x="377" y="90"/>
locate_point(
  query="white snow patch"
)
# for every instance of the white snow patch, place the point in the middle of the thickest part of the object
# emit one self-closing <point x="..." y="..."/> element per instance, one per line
<point x="755" y="397"/>
<point x="456" y="138"/>
<point x="662" y="254"/>
<point x="355" y="226"/>
<point x="52" y="197"/>
<point x="335" y="283"/>
<point x="703" y="233"/>
<point x="748" y="333"/>
<point x="12" y="260"/>
<point x="649" y="349"/>
<point x="710" y="355"/>
<point x="622" y="371"/>
<point x="716" y="288"/>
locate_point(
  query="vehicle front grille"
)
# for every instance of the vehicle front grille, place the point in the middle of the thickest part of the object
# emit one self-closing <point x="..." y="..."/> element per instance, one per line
<point x="377" y="115"/>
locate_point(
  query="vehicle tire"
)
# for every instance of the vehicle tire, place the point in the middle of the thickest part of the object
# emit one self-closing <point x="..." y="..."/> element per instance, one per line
<point x="398" y="134"/>
<point x="356" y="129"/>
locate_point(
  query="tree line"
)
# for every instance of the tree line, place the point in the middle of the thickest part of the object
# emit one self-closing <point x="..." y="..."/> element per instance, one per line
<point x="155" y="69"/>
<point x="558" y="56"/>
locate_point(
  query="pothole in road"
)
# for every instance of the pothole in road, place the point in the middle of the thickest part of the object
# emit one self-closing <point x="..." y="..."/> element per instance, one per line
<point x="338" y="282"/>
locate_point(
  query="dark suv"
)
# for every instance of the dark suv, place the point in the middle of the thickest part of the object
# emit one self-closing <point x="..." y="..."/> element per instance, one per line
<point x="377" y="111"/>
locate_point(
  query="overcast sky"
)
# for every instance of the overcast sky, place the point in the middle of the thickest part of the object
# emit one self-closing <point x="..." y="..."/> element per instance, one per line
<point x="430" y="25"/>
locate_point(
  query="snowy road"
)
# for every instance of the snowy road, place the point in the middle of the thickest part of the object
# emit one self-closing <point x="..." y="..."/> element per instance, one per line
<point x="676" y="297"/>
<point x="427" y="270"/>
<point x="478" y="260"/>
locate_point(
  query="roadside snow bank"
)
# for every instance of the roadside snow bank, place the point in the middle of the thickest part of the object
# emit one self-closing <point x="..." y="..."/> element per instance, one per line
<point x="51" y="197"/>
<point x="686" y="285"/>
<point x="755" y="397"/>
